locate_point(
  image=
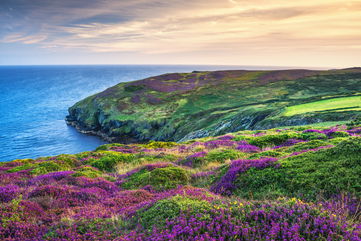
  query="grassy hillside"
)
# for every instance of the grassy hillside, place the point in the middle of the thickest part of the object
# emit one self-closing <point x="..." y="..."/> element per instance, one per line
<point x="297" y="183"/>
<point x="183" y="106"/>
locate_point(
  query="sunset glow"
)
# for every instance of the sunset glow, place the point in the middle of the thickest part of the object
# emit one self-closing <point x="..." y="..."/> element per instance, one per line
<point x="308" y="33"/>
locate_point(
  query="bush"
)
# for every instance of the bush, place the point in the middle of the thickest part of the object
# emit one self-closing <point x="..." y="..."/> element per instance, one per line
<point x="106" y="147"/>
<point x="159" y="178"/>
<point x="110" y="160"/>
<point x="223" y="155"/>
<point x="45" y="167"/>
<point x="26" y="166"/>
<point x="313" y="136"/>
<point x="159" y="213"/>
<point x="8" y="193"/>
<point x="339" y="134"/>
<point x="325" y="172"/>
<point x="170" y="208"/>
<point x="87" y="171"/>
<point x="159" y="144"/>
<point x="272" y="140"/>
<point x="307" y="145"/>
<point x="67" y="160"/>
<point x="268" y="154"/>
<point x="49" y="166"/>
<point x="354" y="122"/>
<point x="195" y="160"/>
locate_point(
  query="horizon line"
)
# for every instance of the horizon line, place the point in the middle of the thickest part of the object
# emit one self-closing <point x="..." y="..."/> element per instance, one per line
<point x="221" y="65"/>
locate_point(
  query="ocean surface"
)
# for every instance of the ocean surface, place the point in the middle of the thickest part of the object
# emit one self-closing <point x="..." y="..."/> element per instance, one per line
<point x="34" y="102"/>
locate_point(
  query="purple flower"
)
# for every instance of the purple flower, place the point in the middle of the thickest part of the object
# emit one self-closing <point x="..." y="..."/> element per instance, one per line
<point x="289" y="142"/>
<point x="312" y="130"/>
<point x="248" y="148"/>
<point x="219" y="143"/>
<point x="8" y="192"/>
<point x="226" y="185"/>
<point x="314" y="149"/>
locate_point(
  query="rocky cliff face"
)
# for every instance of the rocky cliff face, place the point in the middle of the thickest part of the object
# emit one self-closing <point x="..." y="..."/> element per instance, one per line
<point x="182" y="106"/>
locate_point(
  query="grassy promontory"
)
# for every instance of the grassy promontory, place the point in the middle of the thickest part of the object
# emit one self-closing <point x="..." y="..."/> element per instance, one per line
<point x="184" y="106"/>
<point x="296" y="183"/>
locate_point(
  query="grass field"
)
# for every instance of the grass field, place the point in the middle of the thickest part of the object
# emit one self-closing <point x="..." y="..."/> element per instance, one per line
<point x="345" y="103"/>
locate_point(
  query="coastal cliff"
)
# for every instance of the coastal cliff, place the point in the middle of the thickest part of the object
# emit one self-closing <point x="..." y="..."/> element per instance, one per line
<point x="183" y="106"/>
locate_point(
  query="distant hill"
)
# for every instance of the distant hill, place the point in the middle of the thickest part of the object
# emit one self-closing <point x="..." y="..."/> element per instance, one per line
<point x="182" y="106"/>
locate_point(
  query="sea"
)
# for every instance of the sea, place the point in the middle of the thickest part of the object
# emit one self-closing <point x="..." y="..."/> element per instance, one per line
<point x="34" y="101"/>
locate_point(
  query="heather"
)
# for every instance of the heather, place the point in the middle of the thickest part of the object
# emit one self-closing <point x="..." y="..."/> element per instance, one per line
<point x="291" y="183"/>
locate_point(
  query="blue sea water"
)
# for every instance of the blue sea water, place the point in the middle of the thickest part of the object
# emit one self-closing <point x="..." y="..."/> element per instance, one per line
<point x="34" y="102"/>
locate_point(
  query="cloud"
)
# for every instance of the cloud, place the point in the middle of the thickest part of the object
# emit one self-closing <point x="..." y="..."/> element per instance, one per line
<point x="24" y="39"/>
<point x="175" y="26"/>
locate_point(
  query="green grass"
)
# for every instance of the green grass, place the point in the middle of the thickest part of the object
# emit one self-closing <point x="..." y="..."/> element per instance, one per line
<point x="319" y="125"/>
<point x="345" y="103"/>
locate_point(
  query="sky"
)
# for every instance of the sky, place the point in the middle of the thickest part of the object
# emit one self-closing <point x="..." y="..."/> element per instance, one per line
<point x="310" y="33"/>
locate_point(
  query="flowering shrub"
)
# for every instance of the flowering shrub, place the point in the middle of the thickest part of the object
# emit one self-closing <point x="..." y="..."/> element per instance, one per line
<point x="248" y="148"/>
<point x="49" y="178"/>
<point x="219" y="143"/>
<point x="194" y="160"/>
<point x="226" y="185"/>
<point x="222" y="155"/>
<point x="250" y="221"/>
<point x="313" y="136"/>
<point x="8" y="193"/>
<point x="140" y="192"/>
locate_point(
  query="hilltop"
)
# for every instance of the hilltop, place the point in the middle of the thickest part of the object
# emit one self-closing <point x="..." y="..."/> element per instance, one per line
<point x="299" y="183"/>
<point x="183" y="106"/>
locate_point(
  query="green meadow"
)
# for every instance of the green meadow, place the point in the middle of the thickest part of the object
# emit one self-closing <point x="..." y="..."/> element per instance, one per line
<point x="334" y="104"/>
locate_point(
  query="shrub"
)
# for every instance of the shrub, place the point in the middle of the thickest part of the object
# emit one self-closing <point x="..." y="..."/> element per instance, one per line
<point x="325" y="172"/>
<point x="272" y="140"/>
<point x="110" y="160"/>
<point x="339" y="134"/>
<point x="159" y="213"/>
<point x="268" y="154"/>
<point x="290" y="220"/>
<point x="49" y="166"/>
<point x="26" y="166"/>
<point x="223" y="155"/>
<point x="159" y="178"/>
<point x="247" y="148"/>
<point x="226" y="185"/>
<point x="87" y="171"/>
<point x="159" y="144"/>
<point x="8" y="193"/>
<point x="49" y="191"/>
<point x="307" y="145"/>
<point x="167" y="209"/>
<point x="67" y="160"/>
<point x="195" y="160"/>
<point x="49" y="178"/>
<point x="354" y="122"/>
<point x="106" y="147"/>
<point x="41" y="167"/>
<point x="313" y="136"/>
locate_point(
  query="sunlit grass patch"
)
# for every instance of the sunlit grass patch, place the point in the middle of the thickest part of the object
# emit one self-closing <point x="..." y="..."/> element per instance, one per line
<point x="345" y="103"/>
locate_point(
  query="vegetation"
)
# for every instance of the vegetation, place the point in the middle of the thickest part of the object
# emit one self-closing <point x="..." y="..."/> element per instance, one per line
<point x="345" y="103"/>
<point x="184" y="106"/>
<point x="295" y="183"/>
